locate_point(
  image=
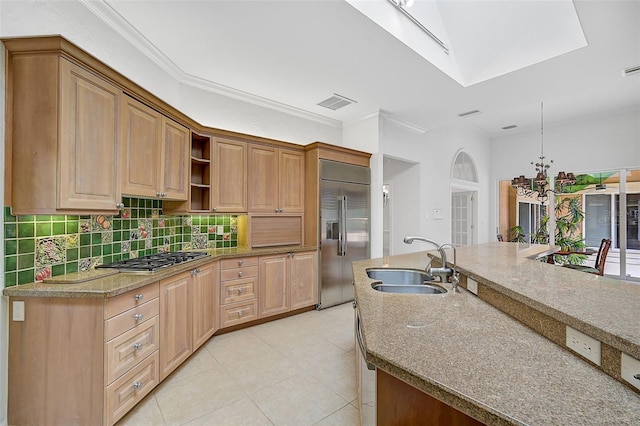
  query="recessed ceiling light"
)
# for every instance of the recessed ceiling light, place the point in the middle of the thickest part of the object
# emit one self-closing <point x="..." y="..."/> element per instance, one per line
<point x="509" y="127"/>
<point x="336" y="102"/>
<point x="468" y="113"/>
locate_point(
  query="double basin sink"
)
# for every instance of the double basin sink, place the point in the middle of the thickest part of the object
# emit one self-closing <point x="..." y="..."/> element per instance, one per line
<point x="406" y="281"/>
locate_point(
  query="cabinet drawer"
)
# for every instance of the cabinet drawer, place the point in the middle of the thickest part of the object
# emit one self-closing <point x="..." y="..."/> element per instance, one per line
<point x="238" y="262"/>
<point x="238" y="313"/>
<point x="237" y="273"/>
<point x="129" y="389"/>
<point x="127" y="320"/>
<point x="117" y="305"/>
<point x="238" y="290"/>
<point x="126" y="350"/>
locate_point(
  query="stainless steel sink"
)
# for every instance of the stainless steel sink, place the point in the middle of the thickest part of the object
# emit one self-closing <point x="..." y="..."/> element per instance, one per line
<point x="407" y="281"/>
<point x="409" y="288"/>
<point x="399" y="276"/>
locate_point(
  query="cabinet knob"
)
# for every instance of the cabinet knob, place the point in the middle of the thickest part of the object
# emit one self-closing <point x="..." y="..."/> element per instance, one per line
<point x="215" y="209"/>
<point x="137" y="385"/>
<point x="239" y="314"/>
<point x="240" y="262"/>
<point x="138" y="297"/>
<point x="138" y="317"/>
<point x="120" y="205"/>
<point x="239" y="291"/>
<point x="137" y="346"/>
<point x="240" y="273"/>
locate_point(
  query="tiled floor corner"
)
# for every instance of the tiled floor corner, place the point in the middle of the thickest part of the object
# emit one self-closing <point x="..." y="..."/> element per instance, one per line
<point x="295" y="371"/>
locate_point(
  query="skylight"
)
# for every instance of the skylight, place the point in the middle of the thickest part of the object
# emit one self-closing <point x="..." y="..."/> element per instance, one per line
<point x="485" y="38"/>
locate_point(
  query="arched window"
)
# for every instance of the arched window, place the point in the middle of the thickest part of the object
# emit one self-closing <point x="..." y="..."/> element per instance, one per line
<point x="463" y="168"/>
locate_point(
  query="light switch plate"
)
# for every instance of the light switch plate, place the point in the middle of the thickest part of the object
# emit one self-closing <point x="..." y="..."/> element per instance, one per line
<point x="630" y="370"/>
<point x="584" y="345"/>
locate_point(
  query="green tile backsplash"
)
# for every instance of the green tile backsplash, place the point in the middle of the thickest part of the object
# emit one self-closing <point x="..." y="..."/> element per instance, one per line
<point x="37" y="247"/>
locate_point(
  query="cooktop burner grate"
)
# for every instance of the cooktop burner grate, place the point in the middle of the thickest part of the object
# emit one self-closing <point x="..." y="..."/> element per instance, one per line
<point x="154" y="262"/>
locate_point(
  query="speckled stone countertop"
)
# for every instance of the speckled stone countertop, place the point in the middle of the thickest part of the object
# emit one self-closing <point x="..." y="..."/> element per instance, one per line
<point x="112" y="285"/>
<point x="479" y="360"/>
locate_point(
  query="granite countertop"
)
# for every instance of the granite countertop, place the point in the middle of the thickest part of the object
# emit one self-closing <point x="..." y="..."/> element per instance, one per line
<point x="103" y="285"/>
<point x="481" y="361"/>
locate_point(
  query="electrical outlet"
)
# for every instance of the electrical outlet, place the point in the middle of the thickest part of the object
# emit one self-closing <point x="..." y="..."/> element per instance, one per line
<point x="18" y="310"/>
<point x="472" y="286"/>
<point x="584" y="345"/>
<point x="630" y="369"/>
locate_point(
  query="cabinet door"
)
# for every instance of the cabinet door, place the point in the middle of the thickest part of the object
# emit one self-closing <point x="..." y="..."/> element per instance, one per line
<point x="273" y="296"/>
<point x="89" y="141"/>
<point x="230" y="176"/>
<point x="176" y="160"/>
<point x="205" y="303"/>
<point x="140" y="153"/>
<point x="263" y="179"/>
<point x="291" y="181"/>
<point x="175" y="322"/>
<point x="303" y="280"/>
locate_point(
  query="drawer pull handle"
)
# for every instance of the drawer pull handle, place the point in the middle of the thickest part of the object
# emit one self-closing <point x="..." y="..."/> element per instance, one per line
<point x="137" y="385"/>
<point x="239" y="314"/>
<point x="138" y="317"/>
<point x="240" y="273"/>
<point x="137" y="346"/>
<point x="239" y="291"/>
<point x="138" y="297"/>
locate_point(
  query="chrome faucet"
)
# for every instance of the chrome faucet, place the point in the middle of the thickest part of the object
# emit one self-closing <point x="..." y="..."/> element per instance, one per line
<point x="443" y="272"/>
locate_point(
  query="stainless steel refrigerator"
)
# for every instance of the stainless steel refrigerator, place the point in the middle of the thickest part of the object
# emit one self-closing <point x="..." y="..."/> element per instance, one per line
<point x="345" y="211"/>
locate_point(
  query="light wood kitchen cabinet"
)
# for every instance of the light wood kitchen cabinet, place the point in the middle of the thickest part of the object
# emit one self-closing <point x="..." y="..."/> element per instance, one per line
<point x="205" y="303"/>
<point x="103" y="351"/>
<point x="286" y="282"/>
<point x="303" y="279"/>
<point x="238" y="291"/>
<point x="155" y="153"/>
<point x="63" y="136"/>
<point x="276" y="180"/>
<point x="229" y="176"/>
<point x="175" y="322"/>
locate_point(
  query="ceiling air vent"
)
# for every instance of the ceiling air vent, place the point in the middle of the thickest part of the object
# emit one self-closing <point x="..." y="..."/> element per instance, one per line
<point x="509" y="127"/>
<point x="468" y="113"/>
<point x="630" y="71"/>
<point x="336" y="102"/>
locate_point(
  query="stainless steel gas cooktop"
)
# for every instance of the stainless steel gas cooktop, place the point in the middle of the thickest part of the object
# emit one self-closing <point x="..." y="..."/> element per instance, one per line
<point x="154" y="262"/>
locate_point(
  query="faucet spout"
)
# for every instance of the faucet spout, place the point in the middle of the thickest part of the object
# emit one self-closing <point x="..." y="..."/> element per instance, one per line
<point x="443" y="272"/>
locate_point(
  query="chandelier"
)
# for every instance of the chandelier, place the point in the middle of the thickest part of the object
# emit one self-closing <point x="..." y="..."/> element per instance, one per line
<point x="539" y="186"/>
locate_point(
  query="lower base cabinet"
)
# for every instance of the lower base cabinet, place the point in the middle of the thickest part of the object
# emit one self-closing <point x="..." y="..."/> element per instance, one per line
<point x="287" y="282"/>
<point x="88" y="361"/>
<point x="399" y="403"/>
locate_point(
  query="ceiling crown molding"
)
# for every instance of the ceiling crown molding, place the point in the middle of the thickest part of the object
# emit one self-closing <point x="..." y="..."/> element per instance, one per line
<point x="129" y="33"/>
<point x="403" y="124"/>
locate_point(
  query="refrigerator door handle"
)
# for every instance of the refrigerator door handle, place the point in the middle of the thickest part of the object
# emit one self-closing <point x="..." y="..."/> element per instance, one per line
<point x="342" y="226"/>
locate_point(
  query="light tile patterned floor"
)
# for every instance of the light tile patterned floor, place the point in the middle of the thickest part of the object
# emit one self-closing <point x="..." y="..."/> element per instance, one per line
<point x="295" y="371"/>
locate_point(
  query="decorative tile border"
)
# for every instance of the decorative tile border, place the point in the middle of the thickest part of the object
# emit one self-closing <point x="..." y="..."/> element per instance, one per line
<point x="37" y="247"/>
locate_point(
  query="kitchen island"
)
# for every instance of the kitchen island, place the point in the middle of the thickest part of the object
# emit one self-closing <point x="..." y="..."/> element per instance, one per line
<point x="481" y="361"/>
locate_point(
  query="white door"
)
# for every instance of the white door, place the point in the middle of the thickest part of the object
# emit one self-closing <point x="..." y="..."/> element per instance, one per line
<point x="463" y="218"/>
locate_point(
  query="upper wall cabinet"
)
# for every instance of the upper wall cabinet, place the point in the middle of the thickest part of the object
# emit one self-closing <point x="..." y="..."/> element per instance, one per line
<point x="155" y="153"/>
<point x="63" y="136"/>
<point x="276" y="180"/>
<point x="230" y="176"/>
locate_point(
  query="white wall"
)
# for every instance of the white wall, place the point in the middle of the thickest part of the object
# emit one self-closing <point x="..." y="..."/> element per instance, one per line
<point x="405" y="208"/>
<point x="430" y="185"/>
<point x="605" y="142"/>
